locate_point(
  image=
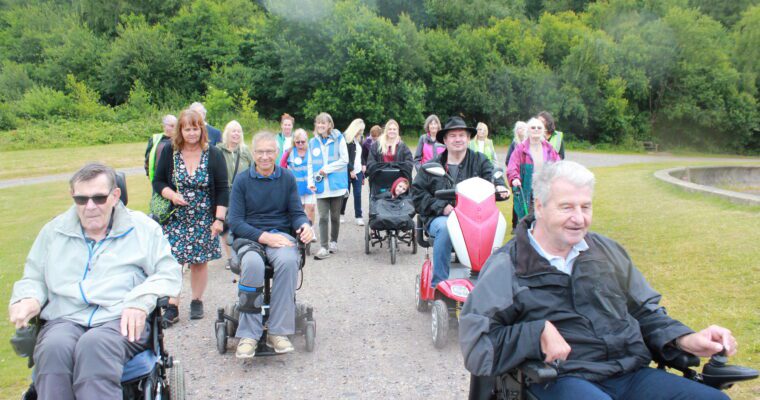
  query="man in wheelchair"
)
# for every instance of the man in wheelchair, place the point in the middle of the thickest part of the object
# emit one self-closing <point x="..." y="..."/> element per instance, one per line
<point x="572" y="298"/>
<point x="264" y="206"/>
<point x="461" y="163"/>
<point x="93" y="274"/>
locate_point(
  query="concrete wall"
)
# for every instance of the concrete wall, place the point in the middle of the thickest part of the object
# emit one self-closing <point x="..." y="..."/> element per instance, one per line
<point x="703" y="179"/>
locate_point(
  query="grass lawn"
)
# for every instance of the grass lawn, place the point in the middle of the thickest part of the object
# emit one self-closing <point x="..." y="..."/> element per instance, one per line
<point x="700" y="253"/>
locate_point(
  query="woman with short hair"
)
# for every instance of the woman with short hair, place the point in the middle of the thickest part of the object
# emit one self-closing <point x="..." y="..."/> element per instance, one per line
<point x="238" y="158"/>
<point x="427" y="147"/>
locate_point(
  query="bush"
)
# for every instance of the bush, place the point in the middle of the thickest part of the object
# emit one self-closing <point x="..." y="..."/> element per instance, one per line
<point x="138" y="104"/>
<point x="67" y="133"/>
<point x="84" y="101"/>
<point x="42" y="102"/>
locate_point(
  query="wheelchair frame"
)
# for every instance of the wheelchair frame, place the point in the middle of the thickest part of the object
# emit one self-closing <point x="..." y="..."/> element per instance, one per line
<point x="157" y="383"/>
<point x="227" y="318"/>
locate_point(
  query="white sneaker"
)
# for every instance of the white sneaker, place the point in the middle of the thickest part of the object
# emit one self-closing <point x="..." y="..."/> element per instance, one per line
<point x="342" y="219"/>
<point x="322" y="254"/>
<point x="333" y="246"/>
<point x="360" y="221"/>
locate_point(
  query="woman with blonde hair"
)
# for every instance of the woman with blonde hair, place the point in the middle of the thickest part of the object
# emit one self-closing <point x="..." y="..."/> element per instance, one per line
<point x="193" y="176"/>
<point x="482" y="144"/>
<point x="238" y="158"/>
<point x="329" y="159"/>
<point x="353" y="135"/>
<point x="390" y="152"/>
<point x="521" y="133"/>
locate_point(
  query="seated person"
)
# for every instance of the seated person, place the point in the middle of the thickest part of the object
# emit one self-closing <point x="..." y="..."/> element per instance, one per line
<point x="389" y="151"/>
<point x="573" y="298"/>
<point x="461" y="163"/>
<point x="400" y="188"/>
<point x="98" y="270"/>
<point x="264" y="207"/>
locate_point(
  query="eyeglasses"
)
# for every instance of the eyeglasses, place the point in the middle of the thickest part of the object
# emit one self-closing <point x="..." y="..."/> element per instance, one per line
<point x="299" y="142"/>
<point x="535" y="128"/>
<point x="98" y="199"/>
<point x="265" y="152"/>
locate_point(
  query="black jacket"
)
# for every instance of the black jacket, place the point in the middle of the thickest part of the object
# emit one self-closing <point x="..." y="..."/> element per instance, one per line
<point x="218" y="184"/>
<point x="404" y="160"/>
<point x="605" y="310"/>
<point x="165" y="140"/>
<point x="425" y="185"/>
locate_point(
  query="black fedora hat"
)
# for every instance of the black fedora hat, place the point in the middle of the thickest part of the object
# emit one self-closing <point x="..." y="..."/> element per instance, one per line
<point x="454" y="123"/>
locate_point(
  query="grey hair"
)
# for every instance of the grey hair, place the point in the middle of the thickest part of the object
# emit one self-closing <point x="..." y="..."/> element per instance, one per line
<point x="197" y="106"/>
<point x="91" y="171"/>
<point x="578" y="175"/>
<point x="520" y="125"/>
<point x="262" y="136"/>
<point x="429" y="119"/>
<point x="168" y="118"/>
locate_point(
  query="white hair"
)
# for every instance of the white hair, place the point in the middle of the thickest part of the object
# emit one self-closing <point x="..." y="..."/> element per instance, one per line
<point x="263" y="136"/>
<point x="520" y="125"/>
<point x="168" y="118"/>
<point x="578" y="175"/>
<point x="197" y="106"/>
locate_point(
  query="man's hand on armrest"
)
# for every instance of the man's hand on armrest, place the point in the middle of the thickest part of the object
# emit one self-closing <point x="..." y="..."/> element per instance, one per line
<point x="708" y="341"/>
<point x="274" y="240"/>
<point x="22" y="311"/>
<point x="553" y="345"/>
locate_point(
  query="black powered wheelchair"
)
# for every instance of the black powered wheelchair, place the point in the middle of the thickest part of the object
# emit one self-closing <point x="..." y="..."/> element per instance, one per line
<point x="389" y="220"/>
<point x="514" y="384"/>
<point x="151" y="374"/>
<point x="228" y="317"/>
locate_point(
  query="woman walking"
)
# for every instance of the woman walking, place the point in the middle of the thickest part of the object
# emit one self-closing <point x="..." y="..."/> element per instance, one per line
<point x="529" y="157"/>
<point x="193" y="176"/>
<point x="298" y="160"/>
<point x="329" y="158"/>
<point x="238" y="158"/>
<point x="390" y="152"/>
<point x="428" y="147"/>
<point x="521" y="133"/>
<point x="482" y="144"/>
<point x="353" y="135"/>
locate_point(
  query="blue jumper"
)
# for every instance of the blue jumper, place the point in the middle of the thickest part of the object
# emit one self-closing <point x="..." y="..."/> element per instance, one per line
<point x="261" y="204"/>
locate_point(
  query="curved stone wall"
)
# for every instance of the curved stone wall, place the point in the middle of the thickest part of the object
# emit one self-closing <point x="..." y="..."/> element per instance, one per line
<point x="704" y="180"/>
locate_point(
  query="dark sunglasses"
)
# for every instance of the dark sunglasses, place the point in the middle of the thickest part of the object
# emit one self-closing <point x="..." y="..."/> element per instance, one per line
<point x="98" y="199"/>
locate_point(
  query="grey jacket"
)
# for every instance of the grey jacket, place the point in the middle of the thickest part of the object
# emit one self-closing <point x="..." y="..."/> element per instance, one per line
<point x="605" y="310"/>
<point x="131" y="267"/>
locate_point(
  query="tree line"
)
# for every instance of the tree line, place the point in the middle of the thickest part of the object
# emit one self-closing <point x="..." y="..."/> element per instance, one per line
<point x="679" y="72"/>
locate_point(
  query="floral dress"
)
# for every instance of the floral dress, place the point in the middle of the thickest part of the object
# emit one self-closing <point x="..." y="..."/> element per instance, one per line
<point x="189" y="229"/>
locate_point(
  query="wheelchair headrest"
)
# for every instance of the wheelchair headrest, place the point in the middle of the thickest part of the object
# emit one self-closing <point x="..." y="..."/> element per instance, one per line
<point x="383" y="179"/>
<point x="121" y="183"/>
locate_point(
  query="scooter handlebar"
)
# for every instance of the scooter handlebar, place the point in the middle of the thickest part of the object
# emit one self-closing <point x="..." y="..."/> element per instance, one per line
<point x="446" y="194"/>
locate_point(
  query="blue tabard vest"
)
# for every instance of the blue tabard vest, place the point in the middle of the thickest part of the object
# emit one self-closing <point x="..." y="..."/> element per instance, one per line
<point x="338" y="179"/>
<point x="300" y="169"/>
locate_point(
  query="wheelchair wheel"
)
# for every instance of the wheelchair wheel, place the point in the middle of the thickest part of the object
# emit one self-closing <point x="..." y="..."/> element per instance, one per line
<point x="310" y="334"/>
<point x="177" y="382"/>
<point x="393" y="247"/>
<point x="221" y="337"/>
<point x="440" y="324"/>
<point x="232" y="311"/>
<point x="420" y="305"/>
<point x="414" y="242"/>
<point x="366" y="238"/>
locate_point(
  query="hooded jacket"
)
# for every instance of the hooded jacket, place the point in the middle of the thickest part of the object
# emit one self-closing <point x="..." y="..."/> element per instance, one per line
<point x="425" y="185"/>
<point x="91" y="284"/>
<point x="605" y="310"/>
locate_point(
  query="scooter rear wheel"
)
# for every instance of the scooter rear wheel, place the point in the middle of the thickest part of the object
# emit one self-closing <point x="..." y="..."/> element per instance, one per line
<point x="421" y="305"/>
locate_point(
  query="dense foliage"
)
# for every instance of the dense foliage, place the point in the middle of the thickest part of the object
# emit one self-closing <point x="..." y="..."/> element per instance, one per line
<point x="679" y="72"/>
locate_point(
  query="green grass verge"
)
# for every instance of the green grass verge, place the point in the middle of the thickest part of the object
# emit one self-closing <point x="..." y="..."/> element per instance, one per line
<point x="700" y="252"/>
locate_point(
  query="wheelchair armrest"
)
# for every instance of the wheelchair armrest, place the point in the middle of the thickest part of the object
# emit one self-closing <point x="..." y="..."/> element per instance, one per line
<point x="25" y="339"/>
<point x="538" y="371"/>
<point x="681" y="362"/>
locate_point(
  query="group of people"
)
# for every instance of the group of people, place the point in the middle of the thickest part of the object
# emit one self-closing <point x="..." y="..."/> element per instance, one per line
<point x="556" y="292"/>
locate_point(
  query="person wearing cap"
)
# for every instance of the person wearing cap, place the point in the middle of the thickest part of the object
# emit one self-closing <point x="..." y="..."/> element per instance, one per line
<point x="460" y="163"/>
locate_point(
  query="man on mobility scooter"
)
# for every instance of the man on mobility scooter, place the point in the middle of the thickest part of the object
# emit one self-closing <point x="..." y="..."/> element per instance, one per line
<point x="573" y="299"/>
<point x="264" y="206"/>
<point x="94" y="274"/>
<point x="460" y="163"/>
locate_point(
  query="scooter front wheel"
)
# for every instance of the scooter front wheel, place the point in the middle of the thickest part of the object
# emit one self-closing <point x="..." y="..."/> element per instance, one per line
<point x="440" y="324"/>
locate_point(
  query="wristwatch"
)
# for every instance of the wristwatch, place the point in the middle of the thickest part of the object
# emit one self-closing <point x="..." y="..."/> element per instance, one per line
<point x="219" y="219"/>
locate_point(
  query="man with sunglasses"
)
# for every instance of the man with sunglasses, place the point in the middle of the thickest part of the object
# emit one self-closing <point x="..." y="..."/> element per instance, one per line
<point x="93" y="274"/>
